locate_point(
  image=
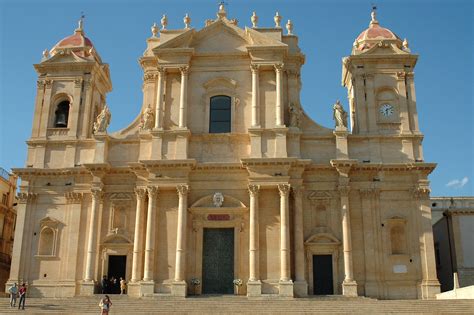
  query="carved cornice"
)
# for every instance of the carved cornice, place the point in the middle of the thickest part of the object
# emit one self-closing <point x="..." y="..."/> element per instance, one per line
<point x="182" y="190"/>
<point x="343" y="166"/>
<point x="24" y="197"/>
<point x="73" y="197"/>
<point x="254" y="190"/>
<point x="284" y="189"/>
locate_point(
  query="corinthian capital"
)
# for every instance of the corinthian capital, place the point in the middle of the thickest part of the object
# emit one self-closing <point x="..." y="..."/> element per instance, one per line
<point x="421" y="192"/>
<point x="182" y="190"/>
<point x="140" y="192"/>
<point x="24" y="197"/>
<point x="253" y="190"/>
<point x="73" y="197"/>
<point x="152" y="191"/>
<point x="184" y="70"/>
<point x="254" y="68"/>
<point x="284" y="189"/>
<point x="97" y="194"/>
<point x="279" y="67"/>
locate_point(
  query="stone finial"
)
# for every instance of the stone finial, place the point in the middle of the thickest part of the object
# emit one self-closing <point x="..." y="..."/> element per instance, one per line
<point x="289" y="27"/>
<point x="80" y="24"/>
<point x="277" y="19"/>
<point x="154" y="30"/>
<point x="254" y="19"/>
<point x="45" y="54"/>
<point x="208" y="22"/>
<point x="221" y="13"/>
<point x="164" y="22"/>
<point x="187" y="21"/>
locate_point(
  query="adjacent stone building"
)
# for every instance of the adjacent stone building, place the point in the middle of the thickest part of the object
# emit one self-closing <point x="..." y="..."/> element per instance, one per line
<point x="223" y="176"/>
<point x="453" y="231"/>
<point x="7" y="223"/>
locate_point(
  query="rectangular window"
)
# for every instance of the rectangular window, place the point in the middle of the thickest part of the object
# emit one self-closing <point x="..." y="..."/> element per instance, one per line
<point x="220" y="114"/>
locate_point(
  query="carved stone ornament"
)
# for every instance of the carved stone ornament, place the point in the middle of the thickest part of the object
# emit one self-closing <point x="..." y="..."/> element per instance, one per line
<point x="97" y="194"/>
<point x="25" y="197"/>
<point x="254" y="189"/>
<point x="103" y="120"/>
<point x="152" y="191"/>
<point x="218" y="199"/>
<point x="140" y="192"/>
<point x="182" y="190"/>
<point x="148" y="119"/>
<point x="421" y="192"/>
<point x="339" y="115"/>
<point x="254" y="19"/>
<point x="284" y="189"/>
<point x="73" y="197"/>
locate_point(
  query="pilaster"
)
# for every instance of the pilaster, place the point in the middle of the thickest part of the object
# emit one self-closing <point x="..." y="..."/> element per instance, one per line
<point x="254" y="285"/>
<point x="300" y="285"/>
<point x="179" y="287"/>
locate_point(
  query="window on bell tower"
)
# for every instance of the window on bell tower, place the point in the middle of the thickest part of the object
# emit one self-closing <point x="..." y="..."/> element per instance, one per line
<point x="61" y="115"/>
<point x="220" y="114"/>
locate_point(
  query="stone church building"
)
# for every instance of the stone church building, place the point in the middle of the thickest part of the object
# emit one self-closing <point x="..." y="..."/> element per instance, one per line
<point x="223" y="178"/>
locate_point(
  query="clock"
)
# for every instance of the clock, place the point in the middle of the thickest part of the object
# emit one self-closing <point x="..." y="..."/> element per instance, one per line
<point x="386" y="110"/>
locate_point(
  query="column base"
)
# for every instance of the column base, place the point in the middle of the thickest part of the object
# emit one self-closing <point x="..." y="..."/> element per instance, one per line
<point x="286" y="289"/>
<point x="429" y="289"/>
<point x="300" y="288"/>
<point x="87" y="288"/>
<point x="179" y="288"/>
<point x="133" y="289"/>
<point x="147" y="288"/>
<point x="254" y="288"/>
<point x="349" y="288"/>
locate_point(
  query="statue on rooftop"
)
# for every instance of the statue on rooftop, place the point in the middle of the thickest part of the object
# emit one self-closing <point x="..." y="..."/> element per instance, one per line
<point x="103" y="120"/>
<point x="339" y="115"/>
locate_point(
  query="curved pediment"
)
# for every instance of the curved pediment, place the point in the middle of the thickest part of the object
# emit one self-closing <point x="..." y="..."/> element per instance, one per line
<point x="116" y="239"/>
<point x="323" y="239"/>
<point x="212" y="201"/>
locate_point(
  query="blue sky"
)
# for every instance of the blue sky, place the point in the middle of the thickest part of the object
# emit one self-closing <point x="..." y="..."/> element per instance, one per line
<point x="441" y="32"/>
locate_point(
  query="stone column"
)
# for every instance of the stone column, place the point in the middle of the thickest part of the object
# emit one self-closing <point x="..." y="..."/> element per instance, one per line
<point x="349" y="286"/>
<point x="183" y="102"/>
<point x="45" y="115"/>
<point x="255" y="97"/>
<point x="254" y="286"/>
<point x="429" y="285"/>
<point x="286" y="285"/>
<point x="150" y="234"/>
<point x="179" y="284"/>
<point x="159" y="97"/>
<point x="92" y="237"/>
<point x="278" y="109"/>
<point x="137" y="240"/>
<point x="301" y="286"/>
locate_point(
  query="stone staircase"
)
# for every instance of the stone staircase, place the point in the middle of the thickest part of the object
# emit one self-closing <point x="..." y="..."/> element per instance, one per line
<point x="240" y="305"/>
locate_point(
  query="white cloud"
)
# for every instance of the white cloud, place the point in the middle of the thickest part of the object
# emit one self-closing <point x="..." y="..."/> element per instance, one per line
<point x="458" y="183"/>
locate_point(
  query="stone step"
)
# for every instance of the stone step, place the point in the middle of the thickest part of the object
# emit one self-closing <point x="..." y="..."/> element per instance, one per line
<point x="241" y="305"/>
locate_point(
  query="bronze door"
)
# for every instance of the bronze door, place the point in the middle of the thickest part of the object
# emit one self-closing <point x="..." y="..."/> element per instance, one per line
<point x="218" y="261"/>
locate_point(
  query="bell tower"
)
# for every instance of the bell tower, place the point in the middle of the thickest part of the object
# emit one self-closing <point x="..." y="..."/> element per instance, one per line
<point x="72" y="86"/>
<point x="378" y="76"/>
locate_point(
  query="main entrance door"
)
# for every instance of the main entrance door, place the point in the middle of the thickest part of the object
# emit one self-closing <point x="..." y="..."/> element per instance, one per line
<point x="117" y="264"/>
<point x="218" y="261"/>
<point x="322" y="275"/>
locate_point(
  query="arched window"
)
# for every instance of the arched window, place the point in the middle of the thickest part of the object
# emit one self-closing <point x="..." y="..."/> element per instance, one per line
<point x="220" y="114"/>
<point x="46" y="242"/>
<point x="61" y="115"/>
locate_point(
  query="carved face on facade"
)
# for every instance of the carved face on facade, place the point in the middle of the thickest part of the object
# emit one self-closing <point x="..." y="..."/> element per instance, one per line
<point x="218" y="199"/>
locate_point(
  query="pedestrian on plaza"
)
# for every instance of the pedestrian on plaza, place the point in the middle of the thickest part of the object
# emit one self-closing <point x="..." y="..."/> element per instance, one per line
<point x="22" y="292"/>
<point x="105" y="305"/>
<point x="123" y="285"/>
<point x="13" y="290"/>
<point x="104" y="283"/>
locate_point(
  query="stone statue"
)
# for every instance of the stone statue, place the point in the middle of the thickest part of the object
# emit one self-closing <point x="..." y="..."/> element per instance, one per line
<point x="295" y="115"/>
<point x="148" y="119"/>
<point x="218" y="199"/>
<point x="103" y="120"/>
<point x="339" y="115"/>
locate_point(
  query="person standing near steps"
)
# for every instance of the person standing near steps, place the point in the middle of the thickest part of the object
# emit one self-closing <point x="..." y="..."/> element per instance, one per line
<point x="13" y="290"/>
<point x="22" y="292"/>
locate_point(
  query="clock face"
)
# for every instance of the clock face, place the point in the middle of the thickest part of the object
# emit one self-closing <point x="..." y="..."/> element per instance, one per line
<point x="386" y="110"/>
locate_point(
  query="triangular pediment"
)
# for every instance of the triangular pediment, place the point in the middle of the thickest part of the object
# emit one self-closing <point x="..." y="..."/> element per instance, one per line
<point x="221" y="39"/>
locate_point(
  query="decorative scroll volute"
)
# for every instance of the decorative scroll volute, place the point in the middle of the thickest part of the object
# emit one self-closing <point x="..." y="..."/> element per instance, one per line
<point x="284" y="189"/>
<point x="182" y="190"/>
<point x="254" y="190"/>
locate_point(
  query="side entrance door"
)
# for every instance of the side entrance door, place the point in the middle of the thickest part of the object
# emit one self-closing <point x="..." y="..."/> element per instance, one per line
<point x="218" y="261"/>
<point x="322" y="275"/>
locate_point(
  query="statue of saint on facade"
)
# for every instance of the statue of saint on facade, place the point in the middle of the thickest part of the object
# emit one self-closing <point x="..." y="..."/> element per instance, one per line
<point x="103" y="120"/>
<point x="339" y="115"/>
<point x="295" y="115"/>
<point x="148" y="119"/>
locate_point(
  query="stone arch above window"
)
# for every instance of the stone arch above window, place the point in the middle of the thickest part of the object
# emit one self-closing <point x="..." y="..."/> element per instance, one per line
<point x="398" y="236"/>
<point x="48" y="237"/>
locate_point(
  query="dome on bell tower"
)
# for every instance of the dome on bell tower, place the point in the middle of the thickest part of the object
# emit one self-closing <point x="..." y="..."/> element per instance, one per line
<point x="374" y="34"/>
<point x="77" y="43"/>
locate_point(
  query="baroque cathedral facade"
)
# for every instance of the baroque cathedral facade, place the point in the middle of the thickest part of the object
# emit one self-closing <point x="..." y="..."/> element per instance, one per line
<point x="223" y="179"/>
